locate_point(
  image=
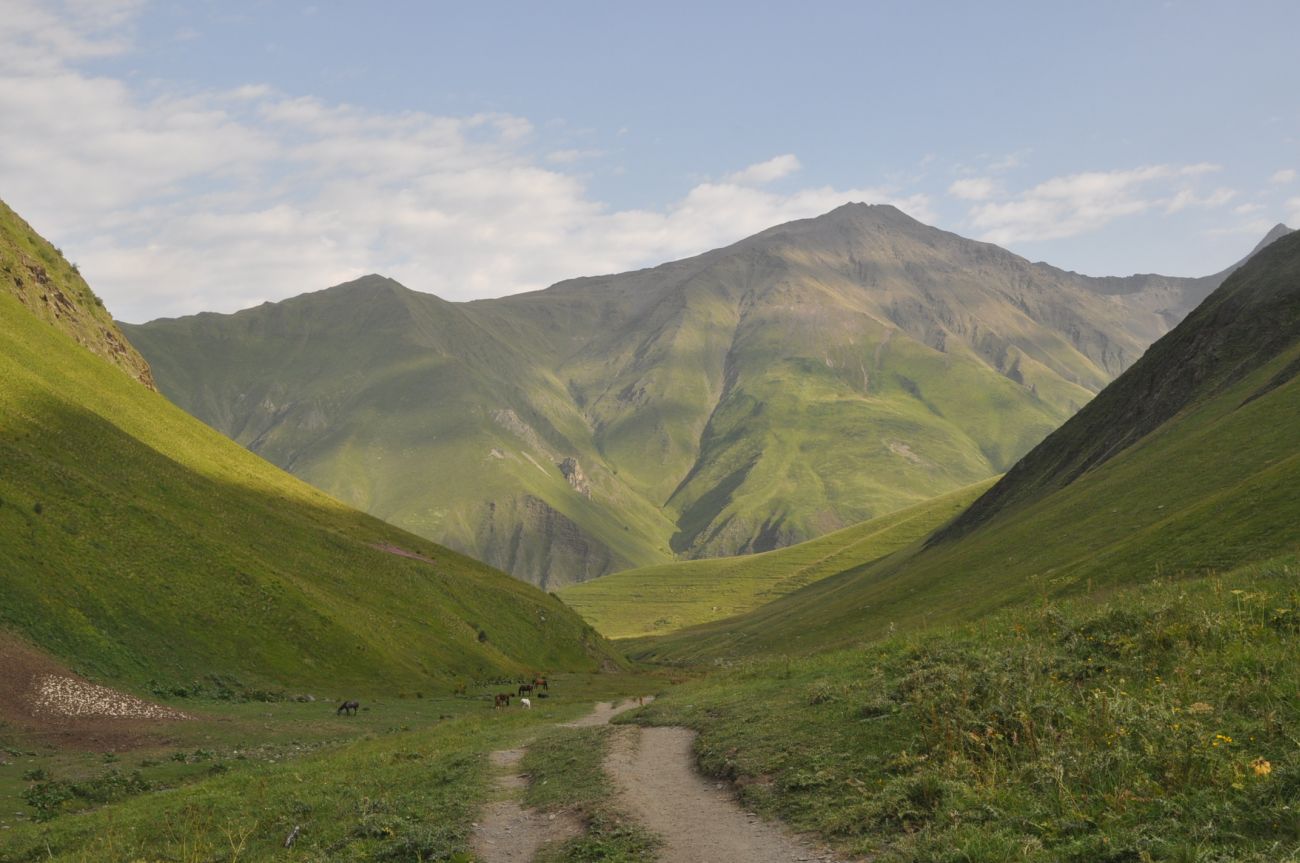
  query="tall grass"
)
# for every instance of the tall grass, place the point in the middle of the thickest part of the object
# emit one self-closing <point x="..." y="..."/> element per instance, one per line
<point x="1161" y="725"/>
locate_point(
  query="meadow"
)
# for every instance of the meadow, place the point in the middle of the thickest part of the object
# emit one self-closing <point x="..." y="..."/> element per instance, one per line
<point x="1157" y="723"/>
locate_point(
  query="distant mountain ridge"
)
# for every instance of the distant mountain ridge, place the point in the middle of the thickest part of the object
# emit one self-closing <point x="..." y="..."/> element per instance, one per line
<point x="817" y="374"/>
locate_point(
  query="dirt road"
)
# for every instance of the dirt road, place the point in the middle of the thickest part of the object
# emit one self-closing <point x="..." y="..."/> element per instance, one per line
<point x="654" y="771"/>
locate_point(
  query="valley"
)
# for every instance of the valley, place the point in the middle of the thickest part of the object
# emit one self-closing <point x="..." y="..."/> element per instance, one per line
<point x="1077" y="659"/>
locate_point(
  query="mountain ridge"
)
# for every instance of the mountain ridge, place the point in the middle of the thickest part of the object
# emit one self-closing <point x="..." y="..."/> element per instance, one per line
<point x="816" y="374"/>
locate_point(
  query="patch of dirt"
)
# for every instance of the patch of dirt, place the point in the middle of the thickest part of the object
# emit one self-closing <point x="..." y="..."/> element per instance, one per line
<point x="389" y="548"/>
<point x="42" y="702"/>
<point x="699" y="821"/>
<point x="605" y="711"/>
<point x="506" y="832"/>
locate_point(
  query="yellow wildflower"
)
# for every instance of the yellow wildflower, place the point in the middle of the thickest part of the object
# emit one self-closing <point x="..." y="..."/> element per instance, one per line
<point x="1261" y="767"/>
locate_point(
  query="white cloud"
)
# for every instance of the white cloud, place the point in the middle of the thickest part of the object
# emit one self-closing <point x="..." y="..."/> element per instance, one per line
<point x="973" y="189"/>
<point x="1283" y="177"/>
<point x="1187" y="198"/>
<point x="1075" y="204"/>
<point x="177" y="203"/>
<point x="761" y="173"/>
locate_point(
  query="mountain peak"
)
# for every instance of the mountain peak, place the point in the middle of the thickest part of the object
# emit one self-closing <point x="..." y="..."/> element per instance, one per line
<point x="1277" y="232"/>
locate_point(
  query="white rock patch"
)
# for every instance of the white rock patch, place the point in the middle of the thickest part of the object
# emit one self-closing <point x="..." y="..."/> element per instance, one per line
<point x="66" y="696"/>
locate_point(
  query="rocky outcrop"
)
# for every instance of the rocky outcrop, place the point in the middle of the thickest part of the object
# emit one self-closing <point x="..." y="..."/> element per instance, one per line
<point x="535" y="542"/>
<point x="573" y="473"/>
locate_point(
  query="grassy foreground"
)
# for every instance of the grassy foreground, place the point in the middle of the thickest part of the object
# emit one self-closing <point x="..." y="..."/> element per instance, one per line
<point x="1160" y="725"/>
<point x="403" y="780"/>
<point x="661" y="599"/>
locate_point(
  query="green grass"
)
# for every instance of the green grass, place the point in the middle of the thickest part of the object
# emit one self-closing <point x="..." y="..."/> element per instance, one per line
<point x="1213" y="489"/>
<point x="564" y="769"/>
<point x="401" y="781"/>
<point x="1157" y="723"/>
<point x="662" y="599"/>
<point x="144" y="548"/>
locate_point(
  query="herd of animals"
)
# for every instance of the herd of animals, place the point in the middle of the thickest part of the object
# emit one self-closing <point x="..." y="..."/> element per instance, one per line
<point x="540" y="686"/>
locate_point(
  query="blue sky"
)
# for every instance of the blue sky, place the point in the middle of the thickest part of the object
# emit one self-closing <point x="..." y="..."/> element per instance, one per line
<point x="212" y="155"/>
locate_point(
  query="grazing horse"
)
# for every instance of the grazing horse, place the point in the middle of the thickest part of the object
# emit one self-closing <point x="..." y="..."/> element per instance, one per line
<point x="524" y="687"/>
<point x="540" y="683"/>
<point x="525" y="704"/>
<point x="349" y="707"/>
<point x="502" y="700"/>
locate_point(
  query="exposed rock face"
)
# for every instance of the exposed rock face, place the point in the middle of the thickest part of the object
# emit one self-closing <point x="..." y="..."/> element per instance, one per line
<point x="527" y="537"/>
<point x="573" y="473"/>
<point x="52" y="288"/>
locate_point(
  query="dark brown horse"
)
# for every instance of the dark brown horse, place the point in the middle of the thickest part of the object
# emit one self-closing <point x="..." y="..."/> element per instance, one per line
<point x="350" y="707"/>
<point x="525" y="688"/>
<point x="502" y="700"/>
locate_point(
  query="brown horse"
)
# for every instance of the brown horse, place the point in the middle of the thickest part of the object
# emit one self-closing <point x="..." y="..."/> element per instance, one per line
<point x="540" y="683"/>
<point x="524" y="688"/>
<point x="349" y="707"/>
<point x="502" y="700"/>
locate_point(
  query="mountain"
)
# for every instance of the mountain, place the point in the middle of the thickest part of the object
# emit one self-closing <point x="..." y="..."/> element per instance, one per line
<point x="139" y="546"/>
<point x="815" y="375"/>
<point x="1187" y="464"/>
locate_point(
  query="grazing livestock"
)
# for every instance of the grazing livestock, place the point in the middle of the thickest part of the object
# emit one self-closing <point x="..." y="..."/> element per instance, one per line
<point x="540" y="683"/>
<point x="502" y="700"/>
<point x="525" y="704"/>
<point x="524" y="687"/>
<point x="349" y="707"/>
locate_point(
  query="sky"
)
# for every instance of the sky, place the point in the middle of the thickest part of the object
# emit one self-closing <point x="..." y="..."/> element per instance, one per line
<point x="210" y="156"/>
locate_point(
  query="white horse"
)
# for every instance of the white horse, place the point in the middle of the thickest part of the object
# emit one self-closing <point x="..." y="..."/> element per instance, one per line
<point x="526" y="704"/>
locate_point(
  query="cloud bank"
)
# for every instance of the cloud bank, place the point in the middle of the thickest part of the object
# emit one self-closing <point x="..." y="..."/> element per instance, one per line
<point x="177" y="202"/>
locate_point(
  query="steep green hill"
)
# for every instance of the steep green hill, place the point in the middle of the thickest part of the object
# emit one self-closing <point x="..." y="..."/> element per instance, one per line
<point x="656" y="600"/>
<point x="1187" y="464"/>
<point x="813" y="376"/>
<point x="140" y="545"/>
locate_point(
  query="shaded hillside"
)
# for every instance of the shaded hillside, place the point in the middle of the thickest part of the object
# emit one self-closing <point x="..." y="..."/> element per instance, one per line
<point x="1192" y="460"/>
<point x="1240" y="328"/>
<point x="141" y="546"/>
<point x="816" y="375"/>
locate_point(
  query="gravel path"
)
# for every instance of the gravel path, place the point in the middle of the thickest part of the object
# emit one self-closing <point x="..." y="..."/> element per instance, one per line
<point x="699" y="821"/>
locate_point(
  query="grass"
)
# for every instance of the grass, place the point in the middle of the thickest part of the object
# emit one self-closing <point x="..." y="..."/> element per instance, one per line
<point x="565" y="773"/>
<point x="403" y="780"/>
<point x="1157" y="723"/>
<point x="143" y="548"/>
<point x="662" y="599"/>
<point x="1211" y="490"/>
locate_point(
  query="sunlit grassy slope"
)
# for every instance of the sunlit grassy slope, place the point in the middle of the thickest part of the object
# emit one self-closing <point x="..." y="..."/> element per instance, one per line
<point x="138" y="544"/>
<point x="662" y="599"/>
<point x="1190" y="464"/>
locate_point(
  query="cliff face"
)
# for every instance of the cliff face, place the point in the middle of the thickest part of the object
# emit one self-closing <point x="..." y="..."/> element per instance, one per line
<point x="53" y="290"/>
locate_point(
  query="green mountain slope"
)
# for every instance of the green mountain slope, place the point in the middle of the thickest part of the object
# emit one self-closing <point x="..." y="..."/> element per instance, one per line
<point x="1186" y="464"/>
<point x="661" y="599"/>
<point x="140" y="545"/>
<point x="816" y="375"/>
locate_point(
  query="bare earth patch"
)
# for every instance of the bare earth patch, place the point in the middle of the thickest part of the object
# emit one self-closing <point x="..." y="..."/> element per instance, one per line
<point x="506" y="832"/>
<point x="56" y="695"/>
<point x="698" y="820"/>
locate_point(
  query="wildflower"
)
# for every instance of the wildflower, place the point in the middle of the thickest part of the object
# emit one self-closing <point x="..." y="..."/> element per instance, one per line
<point x="1261" y="767"/>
